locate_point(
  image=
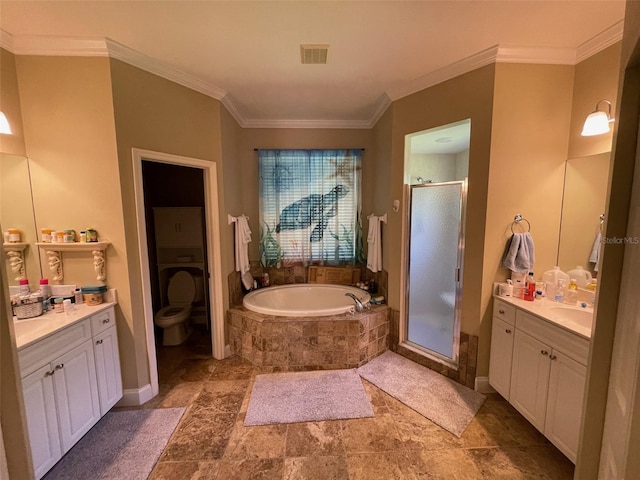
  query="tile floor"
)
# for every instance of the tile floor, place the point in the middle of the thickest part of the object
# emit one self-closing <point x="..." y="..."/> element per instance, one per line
<point x="211" y="442"/>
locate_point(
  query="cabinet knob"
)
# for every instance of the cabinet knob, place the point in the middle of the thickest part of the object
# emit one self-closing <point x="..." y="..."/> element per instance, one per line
<point x="106" y="320"/>
<point x="99" y="342"/>
<point x="48" y="374"/>
<point x="59" y="367"/>
<point x="501" y="312"/>
<point x="552" y="357"/>
<point x="507" y="330"/>
<point x="544" y="352"/>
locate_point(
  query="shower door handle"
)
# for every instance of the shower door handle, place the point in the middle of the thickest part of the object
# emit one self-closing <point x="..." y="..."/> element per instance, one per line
<point x="457" y="275"/>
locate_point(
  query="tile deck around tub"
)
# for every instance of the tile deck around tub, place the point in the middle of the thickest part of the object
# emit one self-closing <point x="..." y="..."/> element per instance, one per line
<point x="311" y="343"/>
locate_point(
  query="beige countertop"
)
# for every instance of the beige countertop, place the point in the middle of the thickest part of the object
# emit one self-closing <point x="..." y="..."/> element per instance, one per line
<point x="559" y="314"/>
<point x="31" y="330"/>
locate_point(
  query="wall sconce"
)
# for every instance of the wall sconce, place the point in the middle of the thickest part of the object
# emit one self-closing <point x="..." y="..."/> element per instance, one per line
<point x="598" y="121"/>
<point x="4" y="124"/>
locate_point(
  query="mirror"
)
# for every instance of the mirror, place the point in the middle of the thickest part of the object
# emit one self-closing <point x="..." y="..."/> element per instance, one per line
<point x="16" y="211"/>
<point x="584" y="200"/>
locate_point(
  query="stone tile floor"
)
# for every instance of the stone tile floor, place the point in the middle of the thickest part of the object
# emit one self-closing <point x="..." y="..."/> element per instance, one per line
<point x="211" y="441"/>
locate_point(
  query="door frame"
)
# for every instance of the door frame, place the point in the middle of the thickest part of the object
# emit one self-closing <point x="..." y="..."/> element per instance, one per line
<point x="214" y="253"/>
<point x="405" y="270"/>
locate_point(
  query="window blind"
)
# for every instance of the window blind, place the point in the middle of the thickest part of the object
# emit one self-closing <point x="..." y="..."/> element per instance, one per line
<point x="310" y="207"/>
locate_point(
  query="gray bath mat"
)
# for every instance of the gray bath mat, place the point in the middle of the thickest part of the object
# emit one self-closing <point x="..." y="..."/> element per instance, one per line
<point x="441" y="400"/>
<point x="307" y="397"/>
<point x="123" y="444"/>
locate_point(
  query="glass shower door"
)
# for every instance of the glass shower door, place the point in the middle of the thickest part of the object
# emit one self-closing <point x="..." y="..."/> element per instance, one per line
<point x="435" y="268"/>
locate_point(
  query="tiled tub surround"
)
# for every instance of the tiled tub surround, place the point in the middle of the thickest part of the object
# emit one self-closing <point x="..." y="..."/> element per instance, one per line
<point x="293" y="344"/>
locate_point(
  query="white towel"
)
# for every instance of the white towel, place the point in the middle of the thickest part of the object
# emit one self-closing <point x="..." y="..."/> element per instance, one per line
<point x="519" y="255"/>
<point x="595" y="252"/>
<point x="374" y="248"/>
<point x="242" y="238"/>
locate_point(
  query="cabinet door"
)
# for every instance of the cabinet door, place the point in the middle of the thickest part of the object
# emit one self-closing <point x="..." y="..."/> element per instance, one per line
<point x="501" y="356"/>
<point x="530" y="378"/>
<point x="105" y="347"/>
<point x="42" y="421"/>
<point x="178" y="227"/>
<point x="76" y="393"/>
<point x="564" y="404"/>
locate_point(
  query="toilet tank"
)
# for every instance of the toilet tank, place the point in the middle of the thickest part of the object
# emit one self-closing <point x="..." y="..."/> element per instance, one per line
<point x="185" y="288"/>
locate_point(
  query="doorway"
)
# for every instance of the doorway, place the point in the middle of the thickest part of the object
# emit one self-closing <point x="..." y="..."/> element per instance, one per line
<point x="436" y="170"/>
<point x="207" y="172"/>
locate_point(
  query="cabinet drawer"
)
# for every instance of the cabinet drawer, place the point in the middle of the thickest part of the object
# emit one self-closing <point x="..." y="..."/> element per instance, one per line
<point x="103" y="320"/>
<point x="568" y="343"/>
<point x="504" y="311"/>
<point x="44" y="351"/>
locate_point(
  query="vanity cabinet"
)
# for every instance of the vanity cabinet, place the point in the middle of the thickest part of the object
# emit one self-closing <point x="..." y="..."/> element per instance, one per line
<point x="546" y="366"/>
<point x="504" y="317"/>
<point x="69" y="380"/>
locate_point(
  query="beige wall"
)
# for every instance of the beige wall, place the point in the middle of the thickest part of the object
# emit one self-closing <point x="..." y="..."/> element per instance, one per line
<point x="467" y="96"/>
<point x="155" y="114"/>
<point x="266" y="138"/>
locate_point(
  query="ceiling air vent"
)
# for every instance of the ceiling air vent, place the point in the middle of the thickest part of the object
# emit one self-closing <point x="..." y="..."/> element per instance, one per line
<point x="314" y="54"/>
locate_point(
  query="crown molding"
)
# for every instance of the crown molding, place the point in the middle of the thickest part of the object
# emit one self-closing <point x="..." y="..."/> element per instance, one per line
<point x="320" y="124"/>
<point x="132" y="57"/>
<point x="604" y="39"/>
<point x="104" y="47"/>
<point x="480" y="59"/>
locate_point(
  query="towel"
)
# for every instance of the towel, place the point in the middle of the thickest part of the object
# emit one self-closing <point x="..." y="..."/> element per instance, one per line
<point x="595" y="251"/>
<point x="374" y="247"/>
<point x="519" y="255"/>
<point x="242" y="238"/>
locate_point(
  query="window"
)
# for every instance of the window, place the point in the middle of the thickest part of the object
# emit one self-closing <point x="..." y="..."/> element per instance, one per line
<point x="310" y="207"/>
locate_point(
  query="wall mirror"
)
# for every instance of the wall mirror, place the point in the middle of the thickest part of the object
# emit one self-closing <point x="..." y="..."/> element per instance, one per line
<point x="584" y="200"/>
<point x="16" y="211"/>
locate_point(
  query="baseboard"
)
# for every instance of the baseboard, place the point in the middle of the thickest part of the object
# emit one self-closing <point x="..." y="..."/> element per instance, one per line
<point x="482" y="385"/>
<point x="135" y="396"/>
<point x="227" y="351"/>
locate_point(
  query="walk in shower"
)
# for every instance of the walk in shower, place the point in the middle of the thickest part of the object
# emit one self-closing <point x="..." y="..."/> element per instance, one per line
<point x="436" y="169"/>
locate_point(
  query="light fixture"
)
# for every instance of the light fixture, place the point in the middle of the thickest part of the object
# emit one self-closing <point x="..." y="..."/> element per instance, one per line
<point x="4" y="124"/>
<point x="598" y="121"/>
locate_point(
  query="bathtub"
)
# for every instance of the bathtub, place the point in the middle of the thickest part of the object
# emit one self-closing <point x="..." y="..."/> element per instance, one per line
<point x="304" y="300"/>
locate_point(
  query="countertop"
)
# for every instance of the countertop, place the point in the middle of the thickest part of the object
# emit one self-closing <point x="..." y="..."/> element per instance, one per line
<point x="544" y="309"/>
<point x="31" y="330"/>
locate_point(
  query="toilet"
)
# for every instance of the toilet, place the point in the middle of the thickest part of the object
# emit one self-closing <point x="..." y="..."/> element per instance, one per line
<point x="184" y="289"/>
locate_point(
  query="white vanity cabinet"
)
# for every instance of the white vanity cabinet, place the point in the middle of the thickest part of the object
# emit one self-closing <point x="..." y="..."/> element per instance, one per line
<point x="547" y="368"/>
<point x="69" y="378"/>
<point x="503" y="326"/>
<point x="105" y="345"/>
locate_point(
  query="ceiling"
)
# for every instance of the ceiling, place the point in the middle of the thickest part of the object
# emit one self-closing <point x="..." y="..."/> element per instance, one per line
<point x="247" y="53"/>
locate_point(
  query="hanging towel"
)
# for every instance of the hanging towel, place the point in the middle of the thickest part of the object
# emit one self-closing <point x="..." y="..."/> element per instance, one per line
<point x="519" y="255"/>
<point x="242" y="238"/>
<point x="595" y="252"/>
<point x="374" y="247"/>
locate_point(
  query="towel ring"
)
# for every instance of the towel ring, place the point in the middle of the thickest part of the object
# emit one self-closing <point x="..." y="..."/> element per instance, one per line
<point x="519" y="218"/>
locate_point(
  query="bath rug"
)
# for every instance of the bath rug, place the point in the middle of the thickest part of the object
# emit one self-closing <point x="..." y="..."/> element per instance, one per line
<point x="434" y="396"/>
<point x="123" y="444"/>
<point x="307" y="397"/>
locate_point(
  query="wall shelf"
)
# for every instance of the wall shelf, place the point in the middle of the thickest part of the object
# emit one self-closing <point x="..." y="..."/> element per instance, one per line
<point x="54" y="252"/>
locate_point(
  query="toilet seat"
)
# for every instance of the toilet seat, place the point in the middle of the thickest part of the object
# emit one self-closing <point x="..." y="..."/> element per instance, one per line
<point x="181" y="292"/>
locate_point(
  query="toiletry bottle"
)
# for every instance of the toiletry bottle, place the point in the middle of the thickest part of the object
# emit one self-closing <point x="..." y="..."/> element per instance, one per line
<point x="45" y="289"/>
<point x="572" y="292"/>
<point x="265" y="279"/>
<point x="530" y="288"/>
<point x="77" y="296"/>
<point x="24" y="286"/>
<point x="559" y="292"/>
